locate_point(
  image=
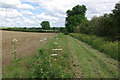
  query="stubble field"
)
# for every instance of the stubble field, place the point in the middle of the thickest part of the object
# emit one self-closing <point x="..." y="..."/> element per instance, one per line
<point x="27" y="43"/>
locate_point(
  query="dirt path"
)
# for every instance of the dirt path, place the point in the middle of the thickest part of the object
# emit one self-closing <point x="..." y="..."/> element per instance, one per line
<point x="91" y="63"/>
<point x="27" y="43"/>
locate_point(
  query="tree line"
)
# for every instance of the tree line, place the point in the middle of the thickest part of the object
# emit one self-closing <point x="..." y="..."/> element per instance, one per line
<point x="104" y="26"/>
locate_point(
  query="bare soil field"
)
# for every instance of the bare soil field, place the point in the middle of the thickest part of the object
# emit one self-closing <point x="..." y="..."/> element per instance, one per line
<point x="27" y="43"/>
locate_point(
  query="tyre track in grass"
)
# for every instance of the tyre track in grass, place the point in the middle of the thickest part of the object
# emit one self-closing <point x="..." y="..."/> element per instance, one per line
<point x="94" y="64"/>
<point x="77" y="72"/>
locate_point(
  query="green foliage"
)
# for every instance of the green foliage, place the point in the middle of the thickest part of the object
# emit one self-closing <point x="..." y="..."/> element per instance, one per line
<point x="104" y="26"/>
<point x="45" y="25"/>
<point x="75" y="17"/>
<point x="108" y="24"/>
<point x="74" y="21"/>
<point x="77" y="10"/>
<point x="84" y="27"/>
<point x="116" y="20"/>
<point x="46" y="66"/>
<point x="109" y="48"/>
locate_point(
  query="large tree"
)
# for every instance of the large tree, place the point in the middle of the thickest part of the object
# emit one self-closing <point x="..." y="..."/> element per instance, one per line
<point x="45" y="25"/>
<point x="75" y="17"/>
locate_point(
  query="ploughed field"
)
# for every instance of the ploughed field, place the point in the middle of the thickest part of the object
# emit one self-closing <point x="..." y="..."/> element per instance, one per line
<point x="27" y="43"/>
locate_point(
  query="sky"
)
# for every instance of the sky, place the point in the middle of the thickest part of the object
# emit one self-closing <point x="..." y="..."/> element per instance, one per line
<point x="30" y="13"/>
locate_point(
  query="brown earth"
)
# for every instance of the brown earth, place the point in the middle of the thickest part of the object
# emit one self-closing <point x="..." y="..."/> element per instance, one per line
<point x="27" y="43"/>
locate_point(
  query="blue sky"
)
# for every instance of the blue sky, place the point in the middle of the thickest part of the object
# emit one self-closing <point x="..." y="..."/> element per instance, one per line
<point x="30" y="13"/>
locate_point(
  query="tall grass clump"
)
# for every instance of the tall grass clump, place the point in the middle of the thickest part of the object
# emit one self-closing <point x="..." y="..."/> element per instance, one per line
<point x="108" y="47"/>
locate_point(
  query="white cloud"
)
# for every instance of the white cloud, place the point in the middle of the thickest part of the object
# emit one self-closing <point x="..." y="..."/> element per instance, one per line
<point x="11" y="13"/>
<point x="11" y="17"/>
<point x="93" y="6"/>
<point x="9" y="3"/>
<point x="25" y="6"/>
<point x="54" y="10"/>
<point x="59" y="15"/>
<point x="44" y="16"/>
<point x="26" y="12"/>
<point x="15" y="4"/>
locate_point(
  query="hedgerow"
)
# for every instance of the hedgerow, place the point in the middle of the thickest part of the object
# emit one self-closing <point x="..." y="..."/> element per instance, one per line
<point x="108" y="47"/>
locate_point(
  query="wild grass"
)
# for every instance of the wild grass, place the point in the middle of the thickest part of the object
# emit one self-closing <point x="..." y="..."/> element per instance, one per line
<point x="110" y="48"/>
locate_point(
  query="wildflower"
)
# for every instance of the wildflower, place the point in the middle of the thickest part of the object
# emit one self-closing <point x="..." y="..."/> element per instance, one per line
<point x="33" y="70"/>
<point x="37" y="60"/>
<point x="49" y="61"/>
<point x="54" y="55"/>
<point x="15" y="50"/>
<point x="55" y="59"/>
<point x="14" y="40"/>
<point x="55" y="43"/>
<point x="41" y="69"/>
<point x="45" y="39"/>
<point x="50" y="65"/>
<point x="56" y="38"/>
<point x="56" y="49"/>
<point x="41" y="40"/>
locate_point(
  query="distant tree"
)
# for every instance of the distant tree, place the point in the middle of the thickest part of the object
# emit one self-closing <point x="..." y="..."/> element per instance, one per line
<point x="23" y="27"/>
<point x="45" y="25"/>
<point x="54" y="28"/>
<point x="62" y="29"/>
<point x="75" y="17"/>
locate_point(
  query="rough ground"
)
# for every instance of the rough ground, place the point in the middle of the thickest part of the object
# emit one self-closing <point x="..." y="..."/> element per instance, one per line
<point x="27" y="43"/>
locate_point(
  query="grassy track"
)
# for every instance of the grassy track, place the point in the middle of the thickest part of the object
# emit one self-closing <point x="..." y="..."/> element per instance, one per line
<point x="92" y="63"/>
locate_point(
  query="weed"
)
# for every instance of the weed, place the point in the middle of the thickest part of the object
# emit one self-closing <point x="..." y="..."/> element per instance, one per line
<point x="16" y="60"/>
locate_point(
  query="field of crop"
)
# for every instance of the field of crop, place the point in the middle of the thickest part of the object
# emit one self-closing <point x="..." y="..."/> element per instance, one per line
<point x="26" y="44"/>
<point x="49" y="55"/>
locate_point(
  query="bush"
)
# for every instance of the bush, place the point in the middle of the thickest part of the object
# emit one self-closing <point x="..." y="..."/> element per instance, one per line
<point x="109" y="48"/>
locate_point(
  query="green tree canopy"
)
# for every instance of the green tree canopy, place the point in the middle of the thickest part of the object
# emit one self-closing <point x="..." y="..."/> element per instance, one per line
<point x="108" y="24"/>
<point x="45" y="25"/>
<point x="75" y="17"/>
<point x="116" y="19"/>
